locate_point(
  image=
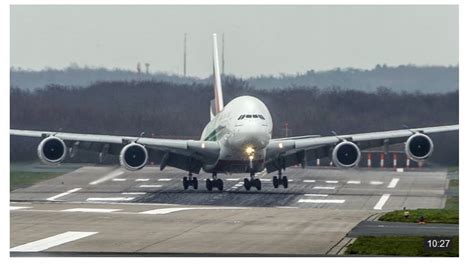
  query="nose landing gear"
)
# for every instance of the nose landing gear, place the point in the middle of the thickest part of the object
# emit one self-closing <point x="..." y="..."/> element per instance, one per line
<point x="214" y="183"/>
<point x="277" y="181"/>
<point x="190" y="181"/>
<point x="252" y="182"/>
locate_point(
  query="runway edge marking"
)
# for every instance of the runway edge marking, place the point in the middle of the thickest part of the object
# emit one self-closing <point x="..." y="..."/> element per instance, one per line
<point x="63" y="194"/>
<point x="393" y="183"/>
<point x="49" y="242"/>
<point x="382" y="202"/>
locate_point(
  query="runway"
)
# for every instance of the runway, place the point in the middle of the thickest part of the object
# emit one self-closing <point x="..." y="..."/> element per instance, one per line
<point x="381" y="228"/>
<point x="103" y="209"/>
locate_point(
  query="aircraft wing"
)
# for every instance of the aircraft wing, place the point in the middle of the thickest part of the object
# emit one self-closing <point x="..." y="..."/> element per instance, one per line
<point x="288" y="152"/>
<point x="183" y="154"/>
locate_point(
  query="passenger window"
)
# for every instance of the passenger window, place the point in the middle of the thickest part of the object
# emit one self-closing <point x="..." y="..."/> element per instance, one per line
<point x="248" y="116"/>
<point x="255" y="116"/>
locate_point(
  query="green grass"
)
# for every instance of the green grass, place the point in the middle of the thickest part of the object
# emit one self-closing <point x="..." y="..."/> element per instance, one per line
<point x="22" y="179"/>
<point x="454" y="183"/>
<point x="447" y="216"/>
<point x="396" y="246"/>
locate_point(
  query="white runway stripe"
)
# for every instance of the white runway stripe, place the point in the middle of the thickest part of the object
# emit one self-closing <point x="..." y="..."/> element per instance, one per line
<point x="91" y="210"/>
<point x="142" y="180"/>
<point x="164" y="179"/>
<point x="316" y="195"/>
<point x="320" y="201"/>
<point x="266" y="180"/>
<point x="150" y="186"/>
<point x="110" y="198"/>
<point x="13" y="208"/>
<point x="376" y="182"/>
<point x="119" y="180"/>
<point x="381" y="202"/>
<point x="172" y="210"/>
<point x="353" y="182"/>
<point x="232" y="179"/>
<point x="50" y="242"/>
<point x="134" y="193"/>
<point x="107" y="177"/>
<point x="332" y="181"/>
<point x="324" y="187"/>
<point x="393" y="183"/>
<point x="309" y="180"/>
<point x="63" y="194"/>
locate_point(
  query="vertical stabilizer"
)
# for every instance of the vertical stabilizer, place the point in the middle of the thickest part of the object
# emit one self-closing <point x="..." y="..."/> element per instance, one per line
<point x="218" y="100"/>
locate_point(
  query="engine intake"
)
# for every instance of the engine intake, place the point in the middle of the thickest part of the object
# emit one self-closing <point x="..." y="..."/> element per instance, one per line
<point x="133" y="157"/>
<point x="52" y="150"/>
<point x="346" y="154"/>
<point x="419" y="147"/>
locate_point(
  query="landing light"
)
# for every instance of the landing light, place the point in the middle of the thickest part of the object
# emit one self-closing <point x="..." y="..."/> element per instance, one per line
<point x="249" y="150"/>
<point x="280" y="145"/>
<point x="203" y="145"/>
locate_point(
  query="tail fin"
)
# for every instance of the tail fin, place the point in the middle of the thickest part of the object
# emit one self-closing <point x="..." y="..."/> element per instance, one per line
<point x="218" y="100"/>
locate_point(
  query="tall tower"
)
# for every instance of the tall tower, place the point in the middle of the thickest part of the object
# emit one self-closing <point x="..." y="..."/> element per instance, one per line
<point x="184" y="57"/>
<point x="147" y="67"/>
<point x="223" y="54"/>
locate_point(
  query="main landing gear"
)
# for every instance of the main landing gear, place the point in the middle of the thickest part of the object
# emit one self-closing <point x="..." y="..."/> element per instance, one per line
<point x="252" y="182"/>
<point x="190" y="181"/>
<point x="277" y="181"/>
<point x="214" y="183"/>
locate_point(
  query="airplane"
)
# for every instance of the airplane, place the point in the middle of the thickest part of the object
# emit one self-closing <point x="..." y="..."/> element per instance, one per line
<point x="238" y="139"/>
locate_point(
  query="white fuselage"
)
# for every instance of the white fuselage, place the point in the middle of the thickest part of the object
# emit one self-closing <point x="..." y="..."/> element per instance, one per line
<point x="243" y="129"/>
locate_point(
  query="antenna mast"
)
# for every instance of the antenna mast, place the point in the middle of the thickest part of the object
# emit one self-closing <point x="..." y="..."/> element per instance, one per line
<point x="184" y="62"/>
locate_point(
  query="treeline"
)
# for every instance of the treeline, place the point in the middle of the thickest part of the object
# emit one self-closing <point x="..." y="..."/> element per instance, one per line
<point x="182" y="110"/>
<point x="425" y="79"/>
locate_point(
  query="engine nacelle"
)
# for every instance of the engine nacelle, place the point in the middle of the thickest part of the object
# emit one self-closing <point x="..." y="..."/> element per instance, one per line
<point x="346" y="154"/>
<point x="52" y="150"/>
<point x="419" y="147"/>
<point x="133" y="157"/>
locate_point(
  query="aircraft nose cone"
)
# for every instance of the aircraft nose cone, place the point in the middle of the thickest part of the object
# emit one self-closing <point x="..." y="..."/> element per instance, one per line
<point x="250" y="136"/>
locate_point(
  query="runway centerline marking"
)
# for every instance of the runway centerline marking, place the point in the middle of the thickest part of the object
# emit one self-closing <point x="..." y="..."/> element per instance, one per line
<point x="63" y="194"/>
<point x="324" y="187"/>
<point x="316" y="195"/>
<point x="52" y="241"/>
<point x="381" y="202"/>
<point x="393" y="183"/>
<point x="150" y="186"/>
<point x="142" y="180"/>
<point x="332" y="181"/>
<point x="13" y="208"/>
<point x="309" y="180"/>
<point x="320" y="201"/>
<point x="110" y="198"/>
<point x="353" y="182"/>
<point x="165" y="179"/>
<point x="91" y="210"/>
<point x="232" y="179"/>
<point x="134" y="193"/>
<point x="162" y="211"/>
<point x="376" y="182"/>
<point x="107" y="177"/>
<point x="119" y="180"/>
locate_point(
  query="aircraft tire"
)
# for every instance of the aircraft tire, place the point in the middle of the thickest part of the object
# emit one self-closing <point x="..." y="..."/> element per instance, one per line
<point x="195" y="183"/>
<point x="275" y="182"/>
<point x="247" y="184"/>
<point x="220" y="184"/>
<point x="185" y="183"/>
<point x="258" y="184"/>
<point x="208" y="185"/>
<point x="285" y="182"/>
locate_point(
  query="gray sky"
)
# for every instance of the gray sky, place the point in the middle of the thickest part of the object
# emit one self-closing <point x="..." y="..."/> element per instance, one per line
<point x="258" y="39"/>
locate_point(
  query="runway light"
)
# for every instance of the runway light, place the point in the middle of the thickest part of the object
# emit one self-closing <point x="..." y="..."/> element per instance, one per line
<point x="203" y="145"/>
<point x="280" y="145"/>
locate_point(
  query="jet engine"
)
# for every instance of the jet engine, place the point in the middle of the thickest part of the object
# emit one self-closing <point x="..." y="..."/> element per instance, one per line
<point x="52" y="150"/>
<point x="419" y="147"/>
<point x="346" y="154"/>
<point x="133" y="156"/>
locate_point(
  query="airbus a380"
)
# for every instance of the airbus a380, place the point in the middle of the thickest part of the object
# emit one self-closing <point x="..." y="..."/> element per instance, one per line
<point x="238" y="139"/>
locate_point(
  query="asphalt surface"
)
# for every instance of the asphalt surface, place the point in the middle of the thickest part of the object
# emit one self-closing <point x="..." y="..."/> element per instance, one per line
<point x="106" y="210"/>
<point x="382" y="228"/>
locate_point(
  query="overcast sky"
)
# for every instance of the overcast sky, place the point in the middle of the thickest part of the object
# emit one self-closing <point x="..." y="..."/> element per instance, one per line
<point x="258" y="39"/>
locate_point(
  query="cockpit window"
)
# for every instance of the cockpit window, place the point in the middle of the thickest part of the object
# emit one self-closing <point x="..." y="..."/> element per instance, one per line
<point x="255" y="116"/>
<point x="261" y="117"/>
<point x="248" y="116"/>
<point x="241" y="117"/>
